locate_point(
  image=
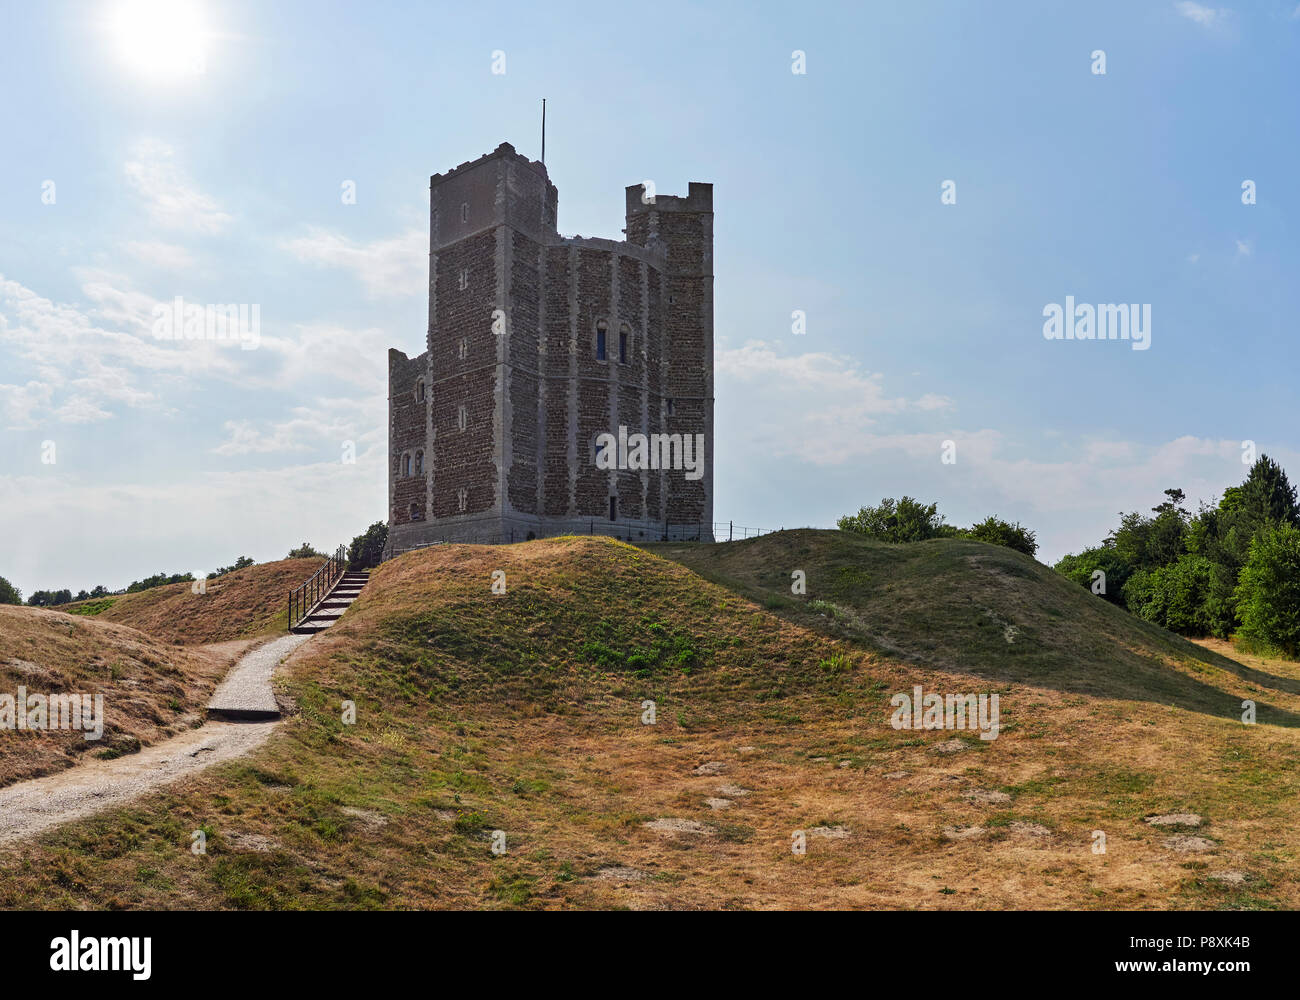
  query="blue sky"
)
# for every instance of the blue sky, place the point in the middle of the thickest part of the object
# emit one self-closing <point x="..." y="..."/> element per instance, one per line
<point x="221" y="182"/>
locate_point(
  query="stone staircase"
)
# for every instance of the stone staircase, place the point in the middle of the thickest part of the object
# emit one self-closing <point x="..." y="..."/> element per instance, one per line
<point x="332" y="606"/>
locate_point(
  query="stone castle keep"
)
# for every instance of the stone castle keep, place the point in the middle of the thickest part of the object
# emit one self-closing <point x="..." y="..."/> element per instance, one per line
<point x="538" y="344"/>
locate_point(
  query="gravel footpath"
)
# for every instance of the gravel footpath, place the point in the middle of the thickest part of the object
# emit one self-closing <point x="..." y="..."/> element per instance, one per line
<point x="246" y="691"/>
<point x="30" y="807"/>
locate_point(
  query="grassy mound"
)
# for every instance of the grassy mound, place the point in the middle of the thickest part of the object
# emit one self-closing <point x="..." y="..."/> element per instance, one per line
<point x="244" y="604"/>
<point x="520" y="721"/>
<point x="151" y="690"/>
<point x="969" y="607"/>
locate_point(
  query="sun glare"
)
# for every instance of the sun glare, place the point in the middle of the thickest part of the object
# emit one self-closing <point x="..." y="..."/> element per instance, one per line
<point x="160" y="39"/>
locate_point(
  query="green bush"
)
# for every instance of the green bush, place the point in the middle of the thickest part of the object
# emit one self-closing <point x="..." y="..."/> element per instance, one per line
<point x="1175" y="597"/>
<point x="367" y="550"/>
<point x="9" y="594"/>
<point x="240" y="563"/>
<point x="909" y="520"/>
<point x="1268" y="590"/>
<point x="158" y="580"/>
<point x="906" y="520"/>
<point x="996" y="531"/>
<point x="1080" y="568"/>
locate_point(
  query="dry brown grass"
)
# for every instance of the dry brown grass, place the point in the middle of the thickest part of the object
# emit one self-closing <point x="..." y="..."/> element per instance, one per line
<point x="151" y="690"/>
<point x="240" y="605"/>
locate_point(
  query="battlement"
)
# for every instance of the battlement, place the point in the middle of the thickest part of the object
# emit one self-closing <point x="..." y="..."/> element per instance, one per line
<point x="500" y="188"/>
<point x="503" y="151"/>
<point x="655" y="256"/>
<point x="698" y="199"/>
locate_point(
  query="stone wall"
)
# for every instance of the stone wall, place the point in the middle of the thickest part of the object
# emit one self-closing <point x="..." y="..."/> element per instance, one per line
<point x="407" y="428"/>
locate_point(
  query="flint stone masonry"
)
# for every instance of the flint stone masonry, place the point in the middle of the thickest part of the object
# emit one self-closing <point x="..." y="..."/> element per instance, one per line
<point x="492" y="430"/>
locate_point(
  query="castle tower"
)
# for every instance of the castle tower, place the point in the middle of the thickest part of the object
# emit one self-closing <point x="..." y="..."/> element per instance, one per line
<point x="684" y="227"/>
<point x="537" y="346"/>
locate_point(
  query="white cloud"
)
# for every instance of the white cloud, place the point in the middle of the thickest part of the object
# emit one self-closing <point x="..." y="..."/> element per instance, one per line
<point x="319" y="351"/>
<point x="828" y="375"/>
<point x="80" y="410"/>
<point x="819" y="437"/>
<point x="1243" y="248"/>
<point x="325" y="423"/>
<point x="394" y="266"/>
<point x="155" y="253"/>
<point x="93" y="358"/>
<point x="20" y="403"/>
<point x="61" y="531"/>
<point x="170" y="199"/>
<point x="84" y="362"/>
<point x="1202" y="15"/>
<point x="817" y="407"/>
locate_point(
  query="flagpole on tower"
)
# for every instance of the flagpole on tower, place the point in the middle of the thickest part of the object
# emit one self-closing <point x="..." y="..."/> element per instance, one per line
<point x="543" y="131"/>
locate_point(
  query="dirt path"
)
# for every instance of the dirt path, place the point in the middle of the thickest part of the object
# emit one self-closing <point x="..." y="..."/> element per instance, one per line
<point x="31" y="807"/>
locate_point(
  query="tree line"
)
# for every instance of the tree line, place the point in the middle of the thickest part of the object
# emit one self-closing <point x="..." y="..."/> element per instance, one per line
<point x="1230" y="569"/>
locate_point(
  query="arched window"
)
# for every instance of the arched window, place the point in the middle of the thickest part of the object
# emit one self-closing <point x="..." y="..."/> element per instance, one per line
<point x="416" y="513"/>
<point x="419" y="391"/>
<point x="624" y="343"/>
<point x="602" y="328"/>
<point x="419" y="462"/>
<point x="406" y="465"/>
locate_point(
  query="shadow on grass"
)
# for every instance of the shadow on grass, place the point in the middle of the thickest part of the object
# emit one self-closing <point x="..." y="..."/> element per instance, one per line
<point x="966" y="607"/>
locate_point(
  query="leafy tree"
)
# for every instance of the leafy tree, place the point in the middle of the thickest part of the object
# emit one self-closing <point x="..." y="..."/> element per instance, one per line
<point x="158" y="580"/>
<point x="49" y="598"/>
<point x="304" y="551"/>
<point x="1268" y="593"/>
<point x="367" y="549"/>
<point x="995" y="531"/>
<point x="906" y="520"/>
<point x="99" y="591"/>
<point x="9" y="594"/>
<point x="1080" y="568"/>
<point x="1267" y="496"/>
<point x="1148" y="542"/>
<point x="1174" y="596"/>
<point x="239" y="563"/>
<point x="1185" y="572"/>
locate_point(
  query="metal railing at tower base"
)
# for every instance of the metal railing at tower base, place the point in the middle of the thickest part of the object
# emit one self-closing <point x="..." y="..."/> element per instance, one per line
<point x="668" y="531"/>
<point x="305" y="597"/>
